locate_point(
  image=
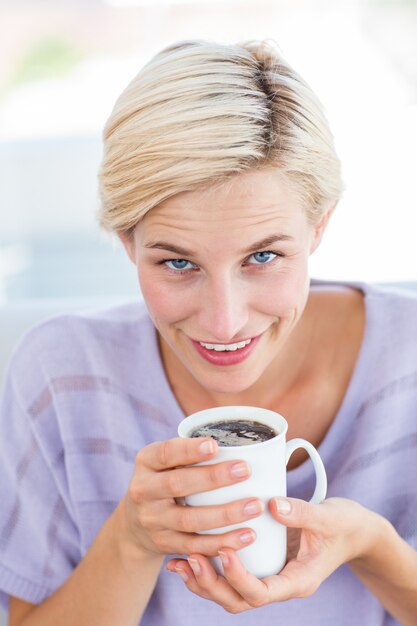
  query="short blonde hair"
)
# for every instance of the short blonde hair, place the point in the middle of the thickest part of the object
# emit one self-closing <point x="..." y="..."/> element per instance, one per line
<point x="200" y="112"/>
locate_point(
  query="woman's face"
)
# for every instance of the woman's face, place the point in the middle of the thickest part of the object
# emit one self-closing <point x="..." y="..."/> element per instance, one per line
<point x="222" y="266"/>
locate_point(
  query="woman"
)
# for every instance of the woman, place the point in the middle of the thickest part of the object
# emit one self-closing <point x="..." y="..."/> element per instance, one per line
<point x="219" y="176"/>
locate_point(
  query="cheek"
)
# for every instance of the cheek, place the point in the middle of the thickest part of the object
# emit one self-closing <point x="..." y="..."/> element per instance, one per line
<point x="165" y="304"/>
<point x="282" y="293"/>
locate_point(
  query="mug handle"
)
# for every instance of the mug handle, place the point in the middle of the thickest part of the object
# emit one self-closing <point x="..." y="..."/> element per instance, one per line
<point x="321" y="478"/>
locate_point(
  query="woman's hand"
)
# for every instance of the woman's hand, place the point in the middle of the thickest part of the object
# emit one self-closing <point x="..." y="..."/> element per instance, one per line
<point x="331" y="533"/>
<point x="156" y="524"/>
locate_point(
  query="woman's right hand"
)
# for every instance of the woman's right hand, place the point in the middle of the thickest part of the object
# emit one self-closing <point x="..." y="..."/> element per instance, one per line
<point x="156" y="524"/>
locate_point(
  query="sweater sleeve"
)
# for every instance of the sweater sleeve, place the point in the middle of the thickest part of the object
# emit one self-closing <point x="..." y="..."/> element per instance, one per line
<point x="39" y="542"/>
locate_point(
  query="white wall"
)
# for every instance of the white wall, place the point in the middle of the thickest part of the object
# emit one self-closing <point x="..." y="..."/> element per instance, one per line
<point x="48" y="186"/>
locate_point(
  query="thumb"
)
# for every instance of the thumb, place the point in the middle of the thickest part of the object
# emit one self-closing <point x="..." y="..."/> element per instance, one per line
<point x="296" y="513"/>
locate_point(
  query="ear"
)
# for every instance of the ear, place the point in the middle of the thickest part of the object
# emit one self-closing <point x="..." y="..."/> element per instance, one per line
<point x="320" y="227"/>
<point x="128" y="241"/>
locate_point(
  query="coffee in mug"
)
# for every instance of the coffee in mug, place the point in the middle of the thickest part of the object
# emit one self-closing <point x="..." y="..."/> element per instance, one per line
<point x="236" y="432"/>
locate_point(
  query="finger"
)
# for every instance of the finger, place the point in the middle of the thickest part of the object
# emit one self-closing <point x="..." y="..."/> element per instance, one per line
<point x="163" y="455"/>
<point x="296" y="580"/>
<point x="182" y="543"/>
<point x="296" y="513"/>
<point x="172" y="563"/>
<point x="255" y="592"/>
<point x="191" y="519"/>
<point x="205" y="582"/>
<point x="180" y="482"/>
<point x="183" y="569"/>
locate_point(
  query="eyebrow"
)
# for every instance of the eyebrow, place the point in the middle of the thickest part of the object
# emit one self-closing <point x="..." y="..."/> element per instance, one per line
<point x="263" y="243"/>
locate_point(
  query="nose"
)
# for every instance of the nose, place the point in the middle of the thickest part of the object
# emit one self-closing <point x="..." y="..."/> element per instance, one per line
<point x="223" y="309"/>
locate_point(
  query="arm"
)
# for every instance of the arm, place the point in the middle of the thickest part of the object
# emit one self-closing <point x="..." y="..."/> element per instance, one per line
<point x="111" y="585"/>
<point x="389" y="571"/>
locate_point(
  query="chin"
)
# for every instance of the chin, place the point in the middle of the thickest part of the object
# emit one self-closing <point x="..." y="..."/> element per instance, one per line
<point x="228" y="383"/>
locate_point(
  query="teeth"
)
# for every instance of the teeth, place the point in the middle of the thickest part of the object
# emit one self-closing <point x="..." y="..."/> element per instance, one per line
<point x="231" y="347"/>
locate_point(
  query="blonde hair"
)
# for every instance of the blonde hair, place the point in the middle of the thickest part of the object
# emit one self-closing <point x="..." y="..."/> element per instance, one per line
<point x="200" y="112"/>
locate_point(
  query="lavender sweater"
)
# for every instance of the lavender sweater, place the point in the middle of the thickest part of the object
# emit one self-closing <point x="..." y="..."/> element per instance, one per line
<point x="84" y="392"/>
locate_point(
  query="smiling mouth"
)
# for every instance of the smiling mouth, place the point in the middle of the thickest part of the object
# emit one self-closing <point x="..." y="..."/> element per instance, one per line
<point x="223" y="347"/>
<point x="226" y="354"/>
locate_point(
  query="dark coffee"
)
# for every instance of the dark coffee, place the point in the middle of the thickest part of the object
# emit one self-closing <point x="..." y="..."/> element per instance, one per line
<point x="240" y="432"/>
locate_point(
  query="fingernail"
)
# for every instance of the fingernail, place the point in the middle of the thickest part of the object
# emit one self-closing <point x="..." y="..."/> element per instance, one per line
<point x="182" y="573"/>
<point x="207" y="447"/>
<point x="195" y="566"/>
<point x="239" y="470"/>
<point x="283" y="506"/>
<point x="253" y="507"/>
<point x="224" y="558"/>
<point x="247" y="537"/>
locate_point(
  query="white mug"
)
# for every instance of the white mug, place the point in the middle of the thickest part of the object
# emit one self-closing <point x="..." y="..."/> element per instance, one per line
<point x="267" y="460"/>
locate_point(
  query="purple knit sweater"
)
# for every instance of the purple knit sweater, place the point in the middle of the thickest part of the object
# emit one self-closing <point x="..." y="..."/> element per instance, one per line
<point x="84" y="392"/>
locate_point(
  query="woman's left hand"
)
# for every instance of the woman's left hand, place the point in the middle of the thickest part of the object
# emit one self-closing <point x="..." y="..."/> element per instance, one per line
<point x="330" y="534"/>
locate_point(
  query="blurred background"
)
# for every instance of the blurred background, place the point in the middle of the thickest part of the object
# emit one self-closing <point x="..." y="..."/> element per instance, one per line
<point x="64" y="62"/>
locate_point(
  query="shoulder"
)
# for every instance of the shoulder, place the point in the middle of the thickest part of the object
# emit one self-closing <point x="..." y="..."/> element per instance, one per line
<point x="389" y="356"/>
<point x="80" y="342"/>
<point x="83" y="326"/>
<point x="392" y="311"/>
<point x="397" y="297"/>
<point x="389" y="327"/>
<point x="388" y="304"/>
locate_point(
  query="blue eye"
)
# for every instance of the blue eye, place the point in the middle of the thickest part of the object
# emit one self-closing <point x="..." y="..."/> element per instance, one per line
<point x="262" y="258"/>
<point x="182" y="266"/>
<point x="177" y="264"/>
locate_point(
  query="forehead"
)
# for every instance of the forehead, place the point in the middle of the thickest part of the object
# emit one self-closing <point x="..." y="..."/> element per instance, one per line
<point x="246" y="204"/>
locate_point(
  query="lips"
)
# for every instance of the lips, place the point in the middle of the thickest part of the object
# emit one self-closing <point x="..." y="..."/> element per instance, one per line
<point x="227" y="357"/>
